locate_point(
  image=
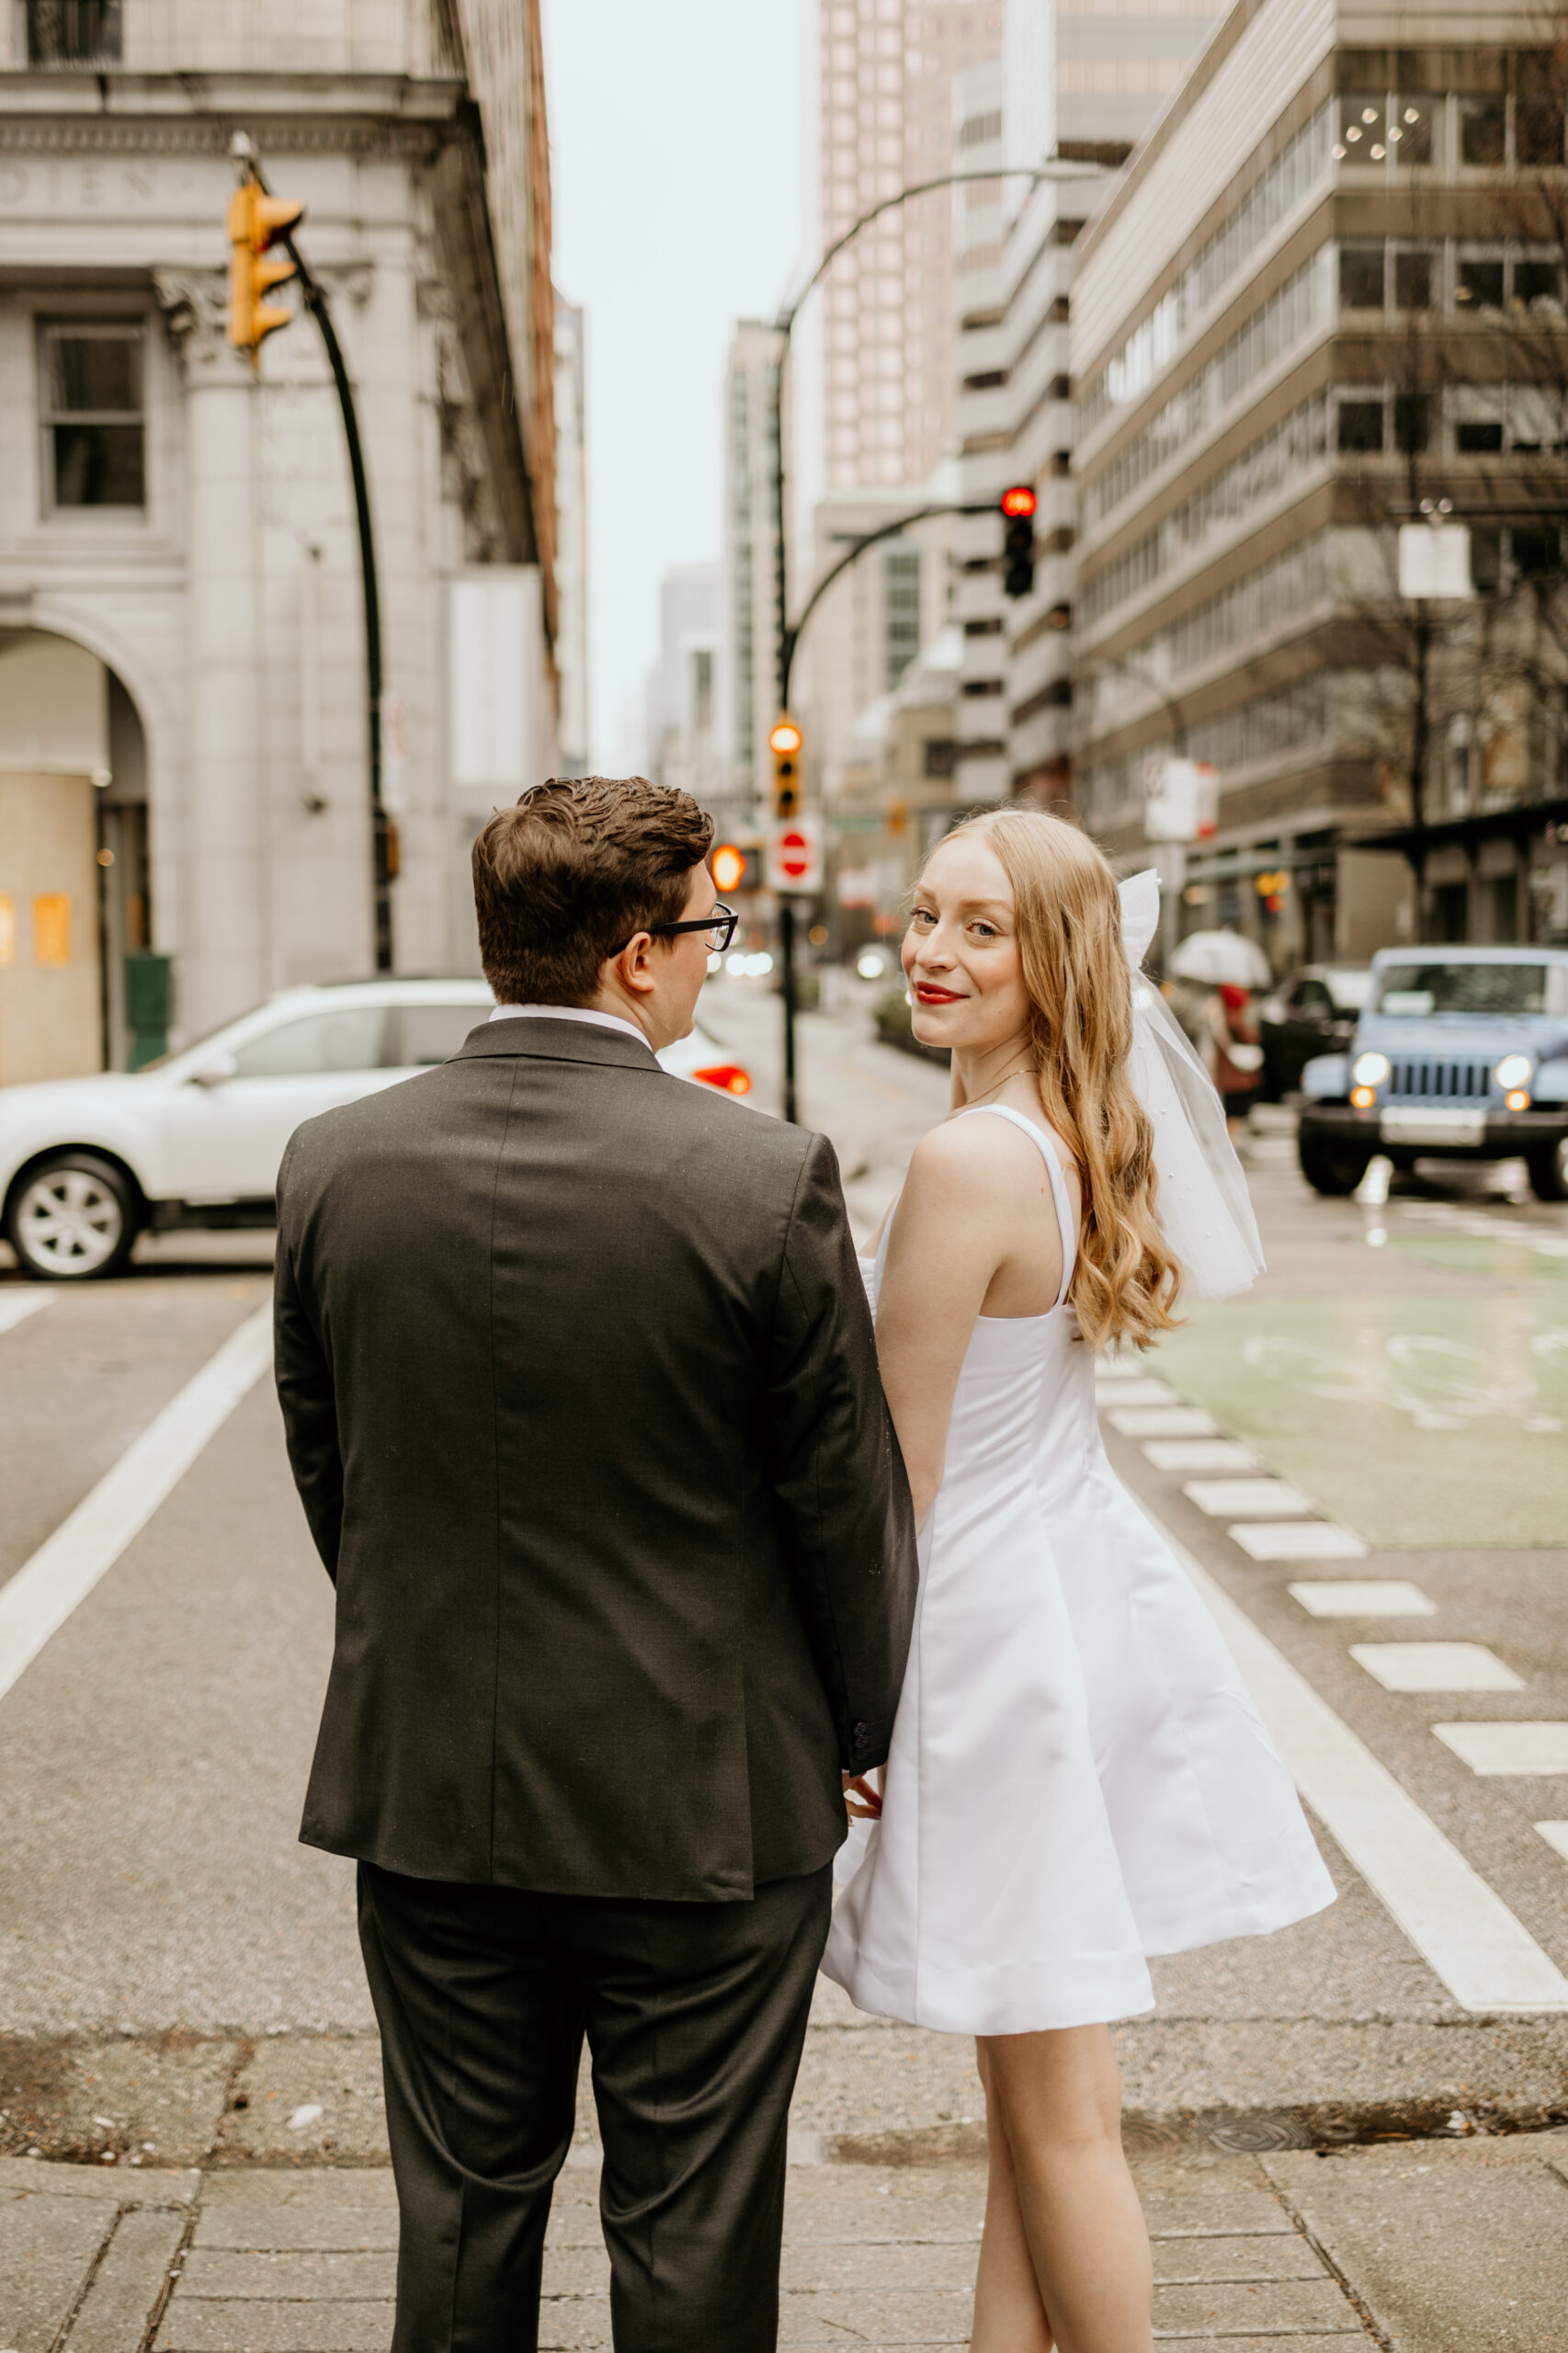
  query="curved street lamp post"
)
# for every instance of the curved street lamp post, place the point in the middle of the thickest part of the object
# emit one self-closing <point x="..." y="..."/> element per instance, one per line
<point x="788" y="637"/>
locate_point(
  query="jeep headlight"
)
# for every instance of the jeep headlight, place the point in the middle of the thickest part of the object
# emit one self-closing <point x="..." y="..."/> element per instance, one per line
<point x="1369" y="1070"/>
<point x="1514" y="1070"/>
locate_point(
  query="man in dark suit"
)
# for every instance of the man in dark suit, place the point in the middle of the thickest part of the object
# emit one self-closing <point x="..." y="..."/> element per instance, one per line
<point x="581" y="1401"/>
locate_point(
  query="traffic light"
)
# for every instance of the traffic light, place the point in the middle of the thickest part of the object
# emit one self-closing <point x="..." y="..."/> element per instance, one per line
<point x="1018" y="503"/>
<point x="736" y="866"/>
<point x="256" y="223"/>
<point x="784" y="744"/>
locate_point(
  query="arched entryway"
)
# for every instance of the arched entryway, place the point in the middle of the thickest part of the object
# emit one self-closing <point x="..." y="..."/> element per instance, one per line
<point x="77" y="982"/>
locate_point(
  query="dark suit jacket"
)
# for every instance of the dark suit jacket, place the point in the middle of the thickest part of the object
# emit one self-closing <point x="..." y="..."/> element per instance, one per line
<point x="580" y="1398"/>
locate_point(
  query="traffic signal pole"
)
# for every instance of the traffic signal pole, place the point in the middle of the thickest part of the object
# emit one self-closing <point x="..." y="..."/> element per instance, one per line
<point x="382" y="862"/>
<point x="786" y="638"/>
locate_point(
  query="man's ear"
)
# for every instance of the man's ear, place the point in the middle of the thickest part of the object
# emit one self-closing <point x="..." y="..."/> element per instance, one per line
<point x="634" y="965"/>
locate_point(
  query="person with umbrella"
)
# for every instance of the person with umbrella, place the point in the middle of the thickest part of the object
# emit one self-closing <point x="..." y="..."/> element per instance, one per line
<point x="1227" y="968"/>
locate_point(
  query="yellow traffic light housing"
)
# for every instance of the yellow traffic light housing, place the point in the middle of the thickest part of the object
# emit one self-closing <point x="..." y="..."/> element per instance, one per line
<point x="784" y="743"/>
<point x="258" y="222"/>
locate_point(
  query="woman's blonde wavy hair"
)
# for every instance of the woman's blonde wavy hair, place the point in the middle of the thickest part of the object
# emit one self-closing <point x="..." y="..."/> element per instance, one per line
<point x="1075" y="968"/>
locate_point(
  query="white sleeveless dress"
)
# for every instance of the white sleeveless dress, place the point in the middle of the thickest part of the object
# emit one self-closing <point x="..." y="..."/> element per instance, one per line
<point x="1078" y="1778"/>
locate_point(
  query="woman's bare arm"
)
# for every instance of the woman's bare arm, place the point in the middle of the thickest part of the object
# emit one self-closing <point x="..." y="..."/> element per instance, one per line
<point x="966" y="1202"/>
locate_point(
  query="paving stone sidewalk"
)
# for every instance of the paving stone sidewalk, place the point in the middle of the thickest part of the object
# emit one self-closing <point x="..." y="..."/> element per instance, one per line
<point x="1418" y="2247"/>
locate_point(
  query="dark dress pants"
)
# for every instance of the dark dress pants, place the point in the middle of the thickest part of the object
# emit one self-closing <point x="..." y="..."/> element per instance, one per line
<point x="696" y="2019"/>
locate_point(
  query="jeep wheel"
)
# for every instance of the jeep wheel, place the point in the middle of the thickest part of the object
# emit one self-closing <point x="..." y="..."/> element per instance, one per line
<point x="1331" y="1167"/>
<point x="1549" y="1171"/>
<point x="72" y="1219"/>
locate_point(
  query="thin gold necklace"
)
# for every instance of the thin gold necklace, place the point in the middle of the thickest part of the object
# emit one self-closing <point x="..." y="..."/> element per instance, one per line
<point x="971" y="1100"/>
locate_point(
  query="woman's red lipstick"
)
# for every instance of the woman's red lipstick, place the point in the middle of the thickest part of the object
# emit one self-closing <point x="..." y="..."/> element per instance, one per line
<point x="930" y="995"/>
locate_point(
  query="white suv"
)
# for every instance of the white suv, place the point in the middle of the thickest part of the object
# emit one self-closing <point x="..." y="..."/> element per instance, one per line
<point x="195" y="1138"/>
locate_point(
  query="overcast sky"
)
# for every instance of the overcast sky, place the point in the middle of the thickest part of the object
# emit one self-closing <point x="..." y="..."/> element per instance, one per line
<point x="675" y="149"/>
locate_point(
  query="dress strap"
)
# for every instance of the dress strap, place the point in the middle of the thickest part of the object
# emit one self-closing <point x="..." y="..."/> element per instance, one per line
<point x="1065" y="1220"/>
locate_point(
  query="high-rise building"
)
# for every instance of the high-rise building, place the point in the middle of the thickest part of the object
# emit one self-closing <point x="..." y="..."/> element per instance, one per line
<point x="1326" y="301"/>
<point x="1083" y="80"/>
<point x="886" y="114"/>
<point x="572" y="754"/>
<point x="685" y="746"/>
<point x="749" y="629"/>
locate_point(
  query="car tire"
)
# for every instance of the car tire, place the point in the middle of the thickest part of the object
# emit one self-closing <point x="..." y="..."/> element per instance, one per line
<point x="1549" y="1171"/>
<point x="1330" y="1168"/>
<point x="72" y="1218"/>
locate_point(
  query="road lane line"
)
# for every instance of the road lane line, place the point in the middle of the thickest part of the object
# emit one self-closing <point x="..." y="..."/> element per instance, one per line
<point x="17" y="1305"/>
<point x="1462" y="1928"/>
<point x="68" y="1565"/>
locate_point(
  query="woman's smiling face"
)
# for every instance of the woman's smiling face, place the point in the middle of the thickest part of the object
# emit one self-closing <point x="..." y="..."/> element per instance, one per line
<point x="960" y="952"/>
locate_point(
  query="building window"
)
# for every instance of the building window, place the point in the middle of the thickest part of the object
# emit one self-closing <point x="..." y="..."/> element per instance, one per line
<point x="1409" y="134"/>
<point x="1536" y="550"/>
<point x="1362" y="128"/>
<point x="91" y="406"/>
<point x="1478" y="280"/>
<point x="1360" y="425"/>
<point x="1412" y="278"/>
<point x="1411" y="423"/>
<point x="1483" y="131"/>
<point x="1361" y="278"/>
<point x="1477" y="420"/>
<point x="900" y="611"/>
<point x="75" y="32"/>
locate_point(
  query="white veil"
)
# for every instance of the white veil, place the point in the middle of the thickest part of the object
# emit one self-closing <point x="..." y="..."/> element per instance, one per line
<point x="1202" y="1204"/>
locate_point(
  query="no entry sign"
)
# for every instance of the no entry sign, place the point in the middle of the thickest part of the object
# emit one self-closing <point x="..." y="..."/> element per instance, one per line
<point x="794" y="856"/>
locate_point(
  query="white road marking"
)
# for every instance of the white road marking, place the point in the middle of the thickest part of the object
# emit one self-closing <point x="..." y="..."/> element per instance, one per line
<point x="68" y="1565"/>
<point x="1118" y="1369"/>
<point x="1436" y="1666"/>
<point x="1462" y="1928"/>
<point x="1298" y="1540"/>
<point x="1140" y="1393"/>
<point x="16" y="1306"/>
<point x="1251" y="1498"/>
<point x="1370" y="1597"/>
<point x="1555" y="1835"/>
<point x="1161" y="1421"/>
<point x="1496" y="1749"/>
<point x="1201" y="1454"/>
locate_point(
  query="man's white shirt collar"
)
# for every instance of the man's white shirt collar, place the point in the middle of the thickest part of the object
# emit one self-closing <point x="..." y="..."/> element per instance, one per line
<point x="569" y="1013"/>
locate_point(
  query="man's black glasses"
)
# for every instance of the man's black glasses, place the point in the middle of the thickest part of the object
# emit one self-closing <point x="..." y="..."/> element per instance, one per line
<point x="719" y="926"/>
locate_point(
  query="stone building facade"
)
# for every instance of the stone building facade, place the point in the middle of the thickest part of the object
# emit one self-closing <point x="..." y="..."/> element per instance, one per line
<point x="181" y="669"/>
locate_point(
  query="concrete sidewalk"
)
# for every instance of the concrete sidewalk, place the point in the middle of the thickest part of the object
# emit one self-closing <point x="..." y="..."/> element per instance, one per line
<point x="1419" y="2246"/>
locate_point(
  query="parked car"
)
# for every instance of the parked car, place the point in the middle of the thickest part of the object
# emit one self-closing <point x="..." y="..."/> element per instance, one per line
<point x="1461" y="1054"/>
<point x="1311" y="1013"/>
<point x="195" y="1138"/>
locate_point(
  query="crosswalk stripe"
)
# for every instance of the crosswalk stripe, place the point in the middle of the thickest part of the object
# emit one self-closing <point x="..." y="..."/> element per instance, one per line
<point x="1462" y="1928"/>
<point x="16" y="1306"/>
<point x="68" y="1565"/>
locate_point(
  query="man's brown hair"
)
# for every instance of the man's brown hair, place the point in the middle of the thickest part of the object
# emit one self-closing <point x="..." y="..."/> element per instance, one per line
<point x="565" y="878"/>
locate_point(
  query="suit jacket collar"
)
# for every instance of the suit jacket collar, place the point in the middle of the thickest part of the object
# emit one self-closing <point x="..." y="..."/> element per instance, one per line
<point x="559" y="1041"/>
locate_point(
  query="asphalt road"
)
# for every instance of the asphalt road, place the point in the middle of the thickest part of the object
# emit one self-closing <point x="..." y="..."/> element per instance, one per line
<point x="1403" y="1365"/>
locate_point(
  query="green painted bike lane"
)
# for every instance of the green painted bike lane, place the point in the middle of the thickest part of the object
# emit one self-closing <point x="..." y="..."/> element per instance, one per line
<point x="1421" y="1418"/>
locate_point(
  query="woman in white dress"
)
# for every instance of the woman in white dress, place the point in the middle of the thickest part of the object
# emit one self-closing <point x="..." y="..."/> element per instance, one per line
<point x="1078" y="1778"/>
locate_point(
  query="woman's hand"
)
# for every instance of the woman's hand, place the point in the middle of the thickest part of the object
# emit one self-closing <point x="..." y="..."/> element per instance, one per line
<point x="861" y="1785"/>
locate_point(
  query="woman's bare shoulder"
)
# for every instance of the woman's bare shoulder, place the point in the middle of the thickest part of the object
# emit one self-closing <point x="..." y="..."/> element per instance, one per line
<point x="986" y="1159"/>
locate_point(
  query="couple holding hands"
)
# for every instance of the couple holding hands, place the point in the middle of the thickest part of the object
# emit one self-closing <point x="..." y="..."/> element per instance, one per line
<point x="671" y="1544"/>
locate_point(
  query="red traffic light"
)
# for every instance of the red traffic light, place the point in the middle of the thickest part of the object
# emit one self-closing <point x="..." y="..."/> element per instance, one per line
<point x="729" y="866"/>
<point x="1018" y="501"/>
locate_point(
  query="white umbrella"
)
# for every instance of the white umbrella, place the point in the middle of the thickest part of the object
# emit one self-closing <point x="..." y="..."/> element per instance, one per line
<point x="1222" y="959"/>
